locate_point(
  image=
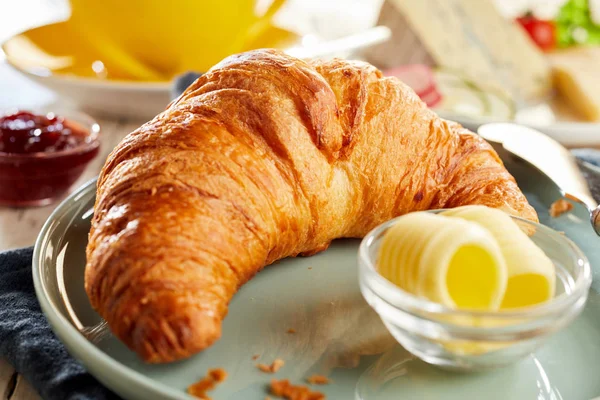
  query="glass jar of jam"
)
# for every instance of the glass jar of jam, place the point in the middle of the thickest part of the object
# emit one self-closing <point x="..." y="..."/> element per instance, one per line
<point x="42" y="154"/>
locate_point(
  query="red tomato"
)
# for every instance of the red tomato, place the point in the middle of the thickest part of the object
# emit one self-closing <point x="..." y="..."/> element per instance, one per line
<point x="542" y="32"/>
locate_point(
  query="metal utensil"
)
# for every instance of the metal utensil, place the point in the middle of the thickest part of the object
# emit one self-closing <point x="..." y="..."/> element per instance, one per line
<point x="549" y="157"/>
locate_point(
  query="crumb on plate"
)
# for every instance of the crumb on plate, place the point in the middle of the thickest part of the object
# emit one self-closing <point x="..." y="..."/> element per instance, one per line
<point x="317" y="380"/>
<point x="285" y="389"/>
<point x="274" y="367"/>
<point x="559" y="207"/>
<point x="255" y="357"/>
<point x="209" y="382"/>
<point x="291" y="330"/>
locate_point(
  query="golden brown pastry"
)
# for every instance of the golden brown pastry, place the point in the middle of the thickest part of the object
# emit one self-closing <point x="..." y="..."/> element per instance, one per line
<point x="265" y="157"/>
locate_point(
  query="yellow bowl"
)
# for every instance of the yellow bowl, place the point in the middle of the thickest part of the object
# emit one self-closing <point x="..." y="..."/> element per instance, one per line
<point x="58" y="49"/>
<point x="153" y="39"/>
<point x="59" y="58"/>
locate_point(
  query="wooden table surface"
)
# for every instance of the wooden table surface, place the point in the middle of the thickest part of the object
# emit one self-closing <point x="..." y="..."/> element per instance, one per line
<point x="20" y="227"/>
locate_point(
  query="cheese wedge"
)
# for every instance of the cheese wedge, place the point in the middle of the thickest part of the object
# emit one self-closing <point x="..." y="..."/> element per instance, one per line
<point x="471" y="36"/>
<point x="575" y="75"/>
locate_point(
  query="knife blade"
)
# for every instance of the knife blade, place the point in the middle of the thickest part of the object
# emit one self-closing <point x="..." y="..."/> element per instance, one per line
<point x="549" y="157"/>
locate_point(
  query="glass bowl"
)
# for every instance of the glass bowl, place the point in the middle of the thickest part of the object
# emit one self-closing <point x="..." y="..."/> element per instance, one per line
<point x="37" y="179"/>
<point x="475" y="340"/>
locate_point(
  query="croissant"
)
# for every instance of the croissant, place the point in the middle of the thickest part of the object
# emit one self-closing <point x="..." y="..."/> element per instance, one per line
<point x="265" y="157"/>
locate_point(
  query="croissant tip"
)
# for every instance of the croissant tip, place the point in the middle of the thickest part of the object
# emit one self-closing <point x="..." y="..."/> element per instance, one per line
<point x="163" y="341"/>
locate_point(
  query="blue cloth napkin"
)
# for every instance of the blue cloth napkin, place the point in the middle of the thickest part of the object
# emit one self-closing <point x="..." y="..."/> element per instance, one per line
<point x="591" y="156"/>
<point x="589" y="164"/>
<point x="28" y="343"/>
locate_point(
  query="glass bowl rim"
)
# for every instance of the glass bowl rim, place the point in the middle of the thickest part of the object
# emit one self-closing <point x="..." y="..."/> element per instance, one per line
<point x="404" y="300"/>
<point x="88" y="122"/>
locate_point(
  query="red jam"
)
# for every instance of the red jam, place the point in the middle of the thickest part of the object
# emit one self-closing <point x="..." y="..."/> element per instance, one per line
<point x="41" y="156"/>
<point x="24" y="132"/>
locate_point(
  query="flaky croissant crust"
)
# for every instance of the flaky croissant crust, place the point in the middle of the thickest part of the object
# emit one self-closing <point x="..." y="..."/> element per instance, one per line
<point x="265" y="157"/>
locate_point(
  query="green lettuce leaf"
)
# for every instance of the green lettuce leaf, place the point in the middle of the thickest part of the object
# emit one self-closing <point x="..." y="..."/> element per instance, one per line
<point x="574" y="25"/>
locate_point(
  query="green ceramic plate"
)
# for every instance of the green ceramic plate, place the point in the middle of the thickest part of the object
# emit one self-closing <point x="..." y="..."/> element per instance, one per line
<point x="337" y="334"/>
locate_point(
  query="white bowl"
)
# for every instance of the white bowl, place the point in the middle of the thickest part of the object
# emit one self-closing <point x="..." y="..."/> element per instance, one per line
<point x="107" y="98"/>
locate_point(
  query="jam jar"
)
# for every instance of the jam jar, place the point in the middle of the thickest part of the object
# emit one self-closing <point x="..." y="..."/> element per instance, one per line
<point x="42" y="153"/>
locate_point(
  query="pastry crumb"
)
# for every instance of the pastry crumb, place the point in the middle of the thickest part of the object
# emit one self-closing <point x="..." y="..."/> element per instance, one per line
<point x="309" y="267"/>
<point x="264" y="367"/>
<point x="218" y="374"/>
<point x="274" y="367"/>
<point x="255" y="357"/>
<point x="277" y="364"/>
<point x="207" y="383"/>
<point x="291" y="330"/>
<point x="317" y="380"/>
<point x="286" y="390"/>
<point x="559" y="207"/>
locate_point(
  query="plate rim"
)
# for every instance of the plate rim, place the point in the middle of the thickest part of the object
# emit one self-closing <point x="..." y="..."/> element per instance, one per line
<point x="112" y="373"/>
<point x="95" y="360"/>
<point x="120" y="85"/>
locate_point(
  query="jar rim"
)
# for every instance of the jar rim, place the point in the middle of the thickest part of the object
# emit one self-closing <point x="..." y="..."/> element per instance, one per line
<point x="75" y="117"/>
